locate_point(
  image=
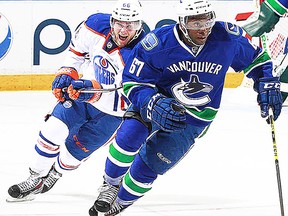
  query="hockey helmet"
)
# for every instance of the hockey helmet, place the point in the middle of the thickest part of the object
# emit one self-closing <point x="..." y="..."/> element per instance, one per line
<point x="127" y="10"/>
<point x="195" y="9"/>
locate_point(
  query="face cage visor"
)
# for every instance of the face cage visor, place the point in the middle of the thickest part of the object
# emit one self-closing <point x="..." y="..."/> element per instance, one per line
<point x="129" y="26"/>
<point x="199" y="22"/>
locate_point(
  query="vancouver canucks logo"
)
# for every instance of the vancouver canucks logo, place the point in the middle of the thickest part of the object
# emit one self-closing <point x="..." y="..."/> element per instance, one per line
<point x="104" y="69"/>
<point x="192" y="93"/>
<point x="5" y="36"/>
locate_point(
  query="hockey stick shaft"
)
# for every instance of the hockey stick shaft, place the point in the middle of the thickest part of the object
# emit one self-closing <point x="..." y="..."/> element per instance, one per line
<point x="271" y="121"/>
<point x="99" y="90"/>
<point x="283" y="65"/>
<point x="91" y="90"/>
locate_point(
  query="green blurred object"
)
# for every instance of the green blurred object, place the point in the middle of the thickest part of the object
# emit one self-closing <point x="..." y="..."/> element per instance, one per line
<point x="265" y="22"/>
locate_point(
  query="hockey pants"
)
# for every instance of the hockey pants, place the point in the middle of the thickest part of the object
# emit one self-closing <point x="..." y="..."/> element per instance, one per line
<point x="72" y="133"/>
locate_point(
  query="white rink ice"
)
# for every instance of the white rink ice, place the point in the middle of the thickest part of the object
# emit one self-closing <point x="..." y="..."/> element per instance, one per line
<point x="229" y="172"/>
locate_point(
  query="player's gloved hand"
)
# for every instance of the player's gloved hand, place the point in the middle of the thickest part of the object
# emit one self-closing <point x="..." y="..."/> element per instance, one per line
<point x="261" y="22"/>
<point x="74" y="90"/>
<point x="269" y="95"/>
<point x="63" y="79"/>
<point x="167" y="113"/>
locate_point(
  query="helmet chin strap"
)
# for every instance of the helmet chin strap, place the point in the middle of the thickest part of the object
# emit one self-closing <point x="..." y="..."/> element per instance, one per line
<point x="186" y="35"/>
<point x="138" y="32"/>
<point x="113" y="37"/>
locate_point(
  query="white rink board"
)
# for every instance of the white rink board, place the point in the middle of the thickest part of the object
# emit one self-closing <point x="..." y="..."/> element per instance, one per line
<point x="25" y="16"/>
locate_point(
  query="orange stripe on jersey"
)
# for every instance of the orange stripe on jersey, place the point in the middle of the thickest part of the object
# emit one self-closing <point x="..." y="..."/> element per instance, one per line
<point x="114" y="50"/>
<point x="102" y="35"/>
<point x="75" y="52"/>
<point x="106" y="39"/>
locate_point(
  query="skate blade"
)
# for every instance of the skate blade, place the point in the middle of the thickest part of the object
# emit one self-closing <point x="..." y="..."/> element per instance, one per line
<point x="24" y="199"/>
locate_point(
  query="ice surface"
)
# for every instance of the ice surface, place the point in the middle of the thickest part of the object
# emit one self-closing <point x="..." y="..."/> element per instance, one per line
<point x="230" y="171"/>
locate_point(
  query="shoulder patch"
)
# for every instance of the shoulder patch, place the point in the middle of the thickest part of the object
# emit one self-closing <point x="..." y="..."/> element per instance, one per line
<point x="149" y="42"/>
<point x="232" y="28"/>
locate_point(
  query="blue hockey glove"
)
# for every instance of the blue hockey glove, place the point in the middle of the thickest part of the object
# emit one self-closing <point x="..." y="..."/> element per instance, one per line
<point x="265" y="22"/>
<point x="63" y="79"/>
<point x="269" y="96"/>
<point x="76" y="85"/>
<point x="168" y="114"/>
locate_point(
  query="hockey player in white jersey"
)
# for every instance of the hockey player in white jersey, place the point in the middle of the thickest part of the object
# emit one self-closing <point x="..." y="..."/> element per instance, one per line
<point x="174" y="79"/>
<point x="80" y="123"/>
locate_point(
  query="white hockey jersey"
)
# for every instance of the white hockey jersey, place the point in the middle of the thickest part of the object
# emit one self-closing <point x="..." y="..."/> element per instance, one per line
<point x="94" y="54"/>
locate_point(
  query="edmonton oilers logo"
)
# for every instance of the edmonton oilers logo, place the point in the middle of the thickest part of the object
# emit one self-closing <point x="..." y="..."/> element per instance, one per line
<point x="5" y="36"/>
<point x="104" y="70"/>
<point x="103" y="62"/>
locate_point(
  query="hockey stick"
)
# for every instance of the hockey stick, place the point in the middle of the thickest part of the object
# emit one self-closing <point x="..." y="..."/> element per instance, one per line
<point x="99" y="90"/>
<point x="28" y="198"/>
<point x="283" y="65"/>
<point x="271" y="121"/>
<point x="91" y="90"/>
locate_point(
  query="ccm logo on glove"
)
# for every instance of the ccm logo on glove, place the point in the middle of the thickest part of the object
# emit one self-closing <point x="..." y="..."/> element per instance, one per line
<point x="272" y="85"/>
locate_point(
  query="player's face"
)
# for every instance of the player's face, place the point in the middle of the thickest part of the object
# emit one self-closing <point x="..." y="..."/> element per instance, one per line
<point x="199" y="29"/>
<point x="199" y="37"/>
<point x="124" y="31"/>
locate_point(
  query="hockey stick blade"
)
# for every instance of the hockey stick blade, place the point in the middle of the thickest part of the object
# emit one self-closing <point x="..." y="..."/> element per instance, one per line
<point x="24" y="199"/>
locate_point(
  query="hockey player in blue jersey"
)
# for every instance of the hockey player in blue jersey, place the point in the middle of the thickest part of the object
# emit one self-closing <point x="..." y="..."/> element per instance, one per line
<point x="264" y="20"/>
<point x="81" y="123"/>
<point x="174" y="79"/>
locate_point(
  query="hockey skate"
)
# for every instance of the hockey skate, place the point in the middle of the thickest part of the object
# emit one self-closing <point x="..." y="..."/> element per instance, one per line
<point x="26" y="190"/>
<point x="107" y="196"/>
<point x="116" y="208"/>
<point x="51" y="179"/>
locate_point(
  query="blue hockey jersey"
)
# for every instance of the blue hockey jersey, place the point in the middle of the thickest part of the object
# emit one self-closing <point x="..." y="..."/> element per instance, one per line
<point x="163" y="63"/>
